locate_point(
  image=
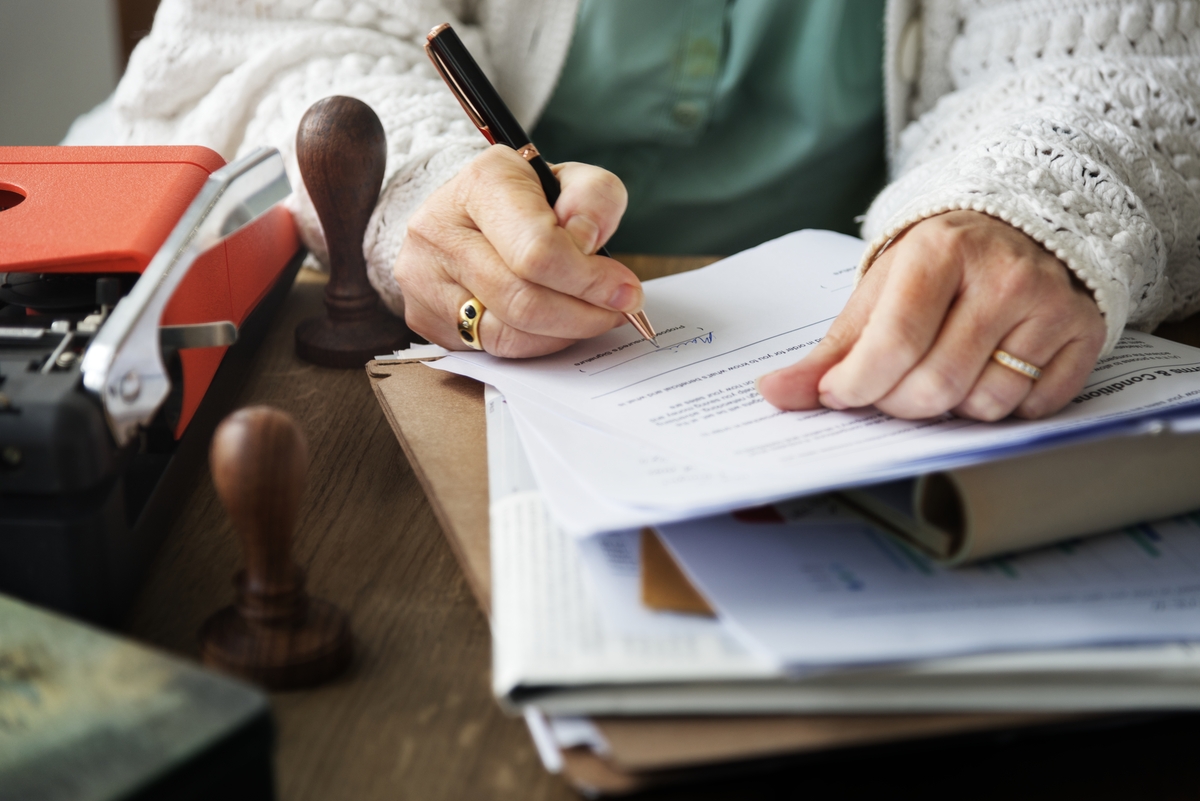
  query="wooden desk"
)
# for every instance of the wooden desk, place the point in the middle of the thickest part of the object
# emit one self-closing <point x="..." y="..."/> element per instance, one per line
<point x="414" y="717"/>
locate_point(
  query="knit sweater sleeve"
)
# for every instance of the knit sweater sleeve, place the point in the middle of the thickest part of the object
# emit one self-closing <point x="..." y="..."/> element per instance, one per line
<point x="238" y="74"/>
<point x="1080" y="129"/>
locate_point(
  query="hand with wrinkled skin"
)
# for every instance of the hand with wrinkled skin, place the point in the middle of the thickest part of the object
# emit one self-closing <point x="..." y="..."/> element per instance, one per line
<point x="489" y="233"/>
<point x="916" y="337"/>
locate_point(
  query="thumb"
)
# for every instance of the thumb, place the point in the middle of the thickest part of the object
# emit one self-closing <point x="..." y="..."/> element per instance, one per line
<point x="794" y="388"/>
<point x="591" y="205"/>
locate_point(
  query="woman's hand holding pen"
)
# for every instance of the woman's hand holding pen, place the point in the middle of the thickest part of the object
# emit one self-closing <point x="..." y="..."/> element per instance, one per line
<point x="916" y="338"/>
<point x="489" y="234"/>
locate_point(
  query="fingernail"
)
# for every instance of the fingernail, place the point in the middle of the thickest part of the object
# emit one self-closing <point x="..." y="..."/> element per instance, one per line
<point x="584" y="233"/>
<point x="758" y="382"/>
<point x="830" y="401"/>
<point x="624" y="298"/>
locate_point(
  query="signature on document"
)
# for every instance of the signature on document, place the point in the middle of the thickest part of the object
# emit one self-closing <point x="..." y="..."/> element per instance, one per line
<point x="703" y="339"/>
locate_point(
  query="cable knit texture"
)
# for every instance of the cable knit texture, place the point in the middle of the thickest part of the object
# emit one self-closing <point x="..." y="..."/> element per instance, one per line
<point x="238" y="74"/>
<point x="1074" y="120"/>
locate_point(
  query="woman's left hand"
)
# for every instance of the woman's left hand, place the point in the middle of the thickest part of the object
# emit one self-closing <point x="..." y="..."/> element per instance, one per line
<point x="917" y="336"/>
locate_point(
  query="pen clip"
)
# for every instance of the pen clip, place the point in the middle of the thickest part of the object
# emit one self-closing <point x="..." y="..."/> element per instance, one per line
<point x="456" y="89"/>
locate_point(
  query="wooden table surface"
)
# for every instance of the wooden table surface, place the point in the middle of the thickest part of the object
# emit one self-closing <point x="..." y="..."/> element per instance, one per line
<point x="414" y="717"/>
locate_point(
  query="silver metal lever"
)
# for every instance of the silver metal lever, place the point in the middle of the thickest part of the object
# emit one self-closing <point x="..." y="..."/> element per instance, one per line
<point x="199" y="335"/>
<point x="123" y="364"/>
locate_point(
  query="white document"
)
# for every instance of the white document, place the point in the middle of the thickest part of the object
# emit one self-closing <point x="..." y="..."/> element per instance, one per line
<point x="622" y="434"/>
<point x="570" y="637"/>
<point x="843" y="593"/>
<point x="548" y="627"/>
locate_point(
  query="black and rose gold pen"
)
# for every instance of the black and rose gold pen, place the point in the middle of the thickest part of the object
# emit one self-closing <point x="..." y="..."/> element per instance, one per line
<point x="491" y="116"/>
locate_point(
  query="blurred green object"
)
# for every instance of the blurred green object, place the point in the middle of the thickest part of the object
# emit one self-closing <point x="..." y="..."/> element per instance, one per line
<point x="86" y="715"/>
<point x="730" y="122"/>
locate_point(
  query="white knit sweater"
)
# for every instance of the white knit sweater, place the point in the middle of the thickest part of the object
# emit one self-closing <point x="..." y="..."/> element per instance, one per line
<point x="1074" y="120"/>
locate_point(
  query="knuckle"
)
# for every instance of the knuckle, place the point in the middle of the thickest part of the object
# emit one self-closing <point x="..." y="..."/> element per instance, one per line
<point x="913" y="303"/>
<point x="844" y="332"/>
<point x="403" y="263"/>
<point x="907" y="342"/>
<point x="1045" y="400"/>
<point x="536" y="257"/>
<point x="1032" y="409"/>
<point x="835" y="341"/>
<point x="432" y="227"/>
<point x="521" y="307"/>
<point x="935" y="393"/>
<point x="479" y="180"/>
<point x="597" y="285"/>
<point x="494" y="159"/>
<point x="906" y="409"/>
<point x="854" y="398"/>
<point x="944" y="236"/>
<point x="509" y="343"/>
<point x="408" y="267"/>
<point x="503" y="344"/>
<point x="1095" y="336"/>
<point x="611" y="188"/>
<point x="422" y="225"/>
<point x="983" y="404"/>
<point x="477" y="171"/>
<point x="420" y="321"/>
<point x="1015" y="281"/>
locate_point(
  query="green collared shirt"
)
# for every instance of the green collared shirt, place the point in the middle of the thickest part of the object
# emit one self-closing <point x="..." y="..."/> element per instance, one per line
<point x="730" y="121"/>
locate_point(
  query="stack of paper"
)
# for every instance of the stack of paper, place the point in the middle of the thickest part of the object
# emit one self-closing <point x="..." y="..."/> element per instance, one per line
<point x="621" y="434"/>
<point x="817" y="609"/>
<point x="571" y="636"/>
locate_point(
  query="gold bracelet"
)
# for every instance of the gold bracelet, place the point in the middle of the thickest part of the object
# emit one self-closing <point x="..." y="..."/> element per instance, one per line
<point x="469" y="315"/>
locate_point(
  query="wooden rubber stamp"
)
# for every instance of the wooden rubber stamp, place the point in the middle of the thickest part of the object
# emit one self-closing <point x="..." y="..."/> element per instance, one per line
<point x="342" y="150"/>
<point x="274" y="634"/>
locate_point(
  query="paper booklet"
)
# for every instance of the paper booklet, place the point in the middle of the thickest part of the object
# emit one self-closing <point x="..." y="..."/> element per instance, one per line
<point x="971" y="513"/>
<point x="570" y="636"/>
<point x="620" y="434"/>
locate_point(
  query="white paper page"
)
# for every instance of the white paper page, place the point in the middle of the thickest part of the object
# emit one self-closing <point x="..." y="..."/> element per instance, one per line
<point x="692" y="404"/>
<point x="547" y="623"/>
<point x="847" y="594"/>
<point x="594" y="481"/>
<point x="509" y="471"/>
<point x="548" y="628"/>
<point x="584" y="508"/>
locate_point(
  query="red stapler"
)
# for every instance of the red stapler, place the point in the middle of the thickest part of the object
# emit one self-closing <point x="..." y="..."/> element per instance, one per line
<point x="134" y="284"/>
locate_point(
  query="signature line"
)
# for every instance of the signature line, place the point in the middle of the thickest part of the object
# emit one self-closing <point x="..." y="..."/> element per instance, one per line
<point x="709" y="358"/>
<point x="660" y="349"/>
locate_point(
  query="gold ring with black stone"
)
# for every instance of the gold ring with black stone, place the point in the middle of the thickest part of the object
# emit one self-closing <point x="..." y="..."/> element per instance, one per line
<point x="469" y="315"/>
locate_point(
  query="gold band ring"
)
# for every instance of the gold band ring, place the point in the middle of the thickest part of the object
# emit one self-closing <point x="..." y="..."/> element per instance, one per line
<point x="1017" y="365"/>
<point x="469" y="315"/>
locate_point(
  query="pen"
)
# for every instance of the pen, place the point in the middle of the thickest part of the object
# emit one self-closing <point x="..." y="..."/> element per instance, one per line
<point x="491" y="116"/>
